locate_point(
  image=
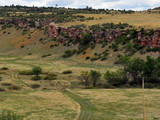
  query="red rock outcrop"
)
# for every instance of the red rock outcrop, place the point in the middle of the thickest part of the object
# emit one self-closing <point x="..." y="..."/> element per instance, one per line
<point x="151" y="41"/>
<point x="75" y="34"/>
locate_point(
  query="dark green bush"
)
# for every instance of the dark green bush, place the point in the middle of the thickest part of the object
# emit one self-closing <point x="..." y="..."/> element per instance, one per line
<point x="114" y="46"/>
<point x="22" y="46"/>
<point x="6" y="84"/>
<point x="40" y="39"/>
<point x="114" y="78"/>
<point x="119" y="55"/>
<point x="37" y="70"/>
<point x="36" y="78"/>
<point x="67" y="72"/>
<point x="94" y="58"/>
<point x="51" y="77"/>
<point x="35" y="86"/>
<point x="88" y="57"/>
<point x="148" y="50"/>
<point x="46" y="55"/>
<point x="4" y="68"/>
<point x="69" y="53"/>
<point x="103" y="58"/>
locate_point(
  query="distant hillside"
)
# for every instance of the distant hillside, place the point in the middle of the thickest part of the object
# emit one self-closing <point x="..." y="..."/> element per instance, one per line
<point x="157" y="8"/>
<point x="90" y="37"/>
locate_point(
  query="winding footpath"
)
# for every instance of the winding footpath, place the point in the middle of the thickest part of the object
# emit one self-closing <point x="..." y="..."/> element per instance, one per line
<point x="87" y="109"/>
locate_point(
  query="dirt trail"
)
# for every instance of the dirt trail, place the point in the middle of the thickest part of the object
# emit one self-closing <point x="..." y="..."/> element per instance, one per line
<point x="86" y="112"/>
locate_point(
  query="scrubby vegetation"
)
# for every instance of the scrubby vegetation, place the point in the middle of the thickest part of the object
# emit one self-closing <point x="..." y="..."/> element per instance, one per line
<point x="67" y="72"/>
<point x="35" y="86"/>
<point x="50" y="77"/>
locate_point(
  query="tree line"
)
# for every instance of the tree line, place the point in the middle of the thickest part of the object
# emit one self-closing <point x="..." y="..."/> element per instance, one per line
<point x="130" y="75"/>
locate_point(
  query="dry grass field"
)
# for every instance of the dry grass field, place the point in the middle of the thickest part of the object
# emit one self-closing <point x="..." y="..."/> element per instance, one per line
<point x="36" y="105"/>
<point x="84" y="104"/>
<point x="122" y="104"/>
<point x="137" y="19"/>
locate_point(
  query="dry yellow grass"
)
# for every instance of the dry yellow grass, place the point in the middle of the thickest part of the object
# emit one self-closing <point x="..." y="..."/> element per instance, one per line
<point x="137" y="19"/>
<point x="51" y="105"/>
<point x="123" y="104"/>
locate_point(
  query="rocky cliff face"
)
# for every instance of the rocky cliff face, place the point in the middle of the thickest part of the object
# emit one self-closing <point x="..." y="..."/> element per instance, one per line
<point x="152" y="40"/>
<point x="63" y="33"/>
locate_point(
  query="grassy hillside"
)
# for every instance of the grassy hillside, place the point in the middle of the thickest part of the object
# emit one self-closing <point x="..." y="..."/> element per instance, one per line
<point x="142" y="19"/>
<point x="60" y="92"/>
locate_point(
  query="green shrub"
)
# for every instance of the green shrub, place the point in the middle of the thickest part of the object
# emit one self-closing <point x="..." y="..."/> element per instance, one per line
<point x="9" y="115"/>
<point x="51" y="77"/>
<point x="88" y="57"/>
<point x="103" y="58"/>
<point x="36" y="78"/>
<point x="26" y="72"/>
<point x="40" y="39"/>
<point x="51" y="46"/>
<point x="94" y="59"/>
<point x="35" y="86"/>
<point x="69" y="53"/>
<point x="119" y="55"/>
<point x="37" y="70"/>
<point x="114" y="46"/>
<point x="148" y="50"/>
<point x="0" y="78"/>
<point x="4" y="68"/>
<point x="67" y="72"/>
<point x="46" y="55"/>
<point x="114" y="78"/>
